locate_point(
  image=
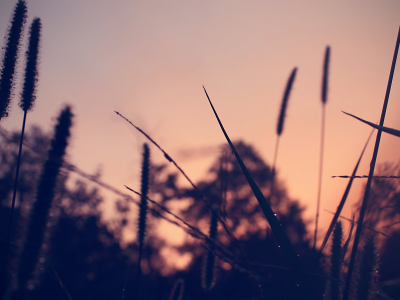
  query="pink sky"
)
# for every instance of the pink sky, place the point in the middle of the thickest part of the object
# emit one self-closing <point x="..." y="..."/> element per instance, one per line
<point x="149" y="59"/>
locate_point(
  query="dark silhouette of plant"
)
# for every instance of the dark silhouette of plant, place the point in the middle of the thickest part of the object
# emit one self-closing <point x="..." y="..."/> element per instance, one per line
<point x="10" y="56"/>
<point x="177" y="291"/>
<point x="36" y="228"/>
<point x="209" y="270"/>
<point x="371" y="173"/>
<point x="344" y="198"/>
<point x="143" y="210"/>
<point x="27" y="98"/>
<point x="333" y="289"/>
<point x="366" y="270"/>
<point x="324" y="98"/>
<point x="281" y="121"/>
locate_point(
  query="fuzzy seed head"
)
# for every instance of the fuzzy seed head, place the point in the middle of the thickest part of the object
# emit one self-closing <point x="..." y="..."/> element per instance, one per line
<point x="325" y="76"/>
<point x="28" y="95"/>
<point x="336" y="254"/>
<point x="10" y="56"/>
<point x="144" y="191"/>
<point x="285" y="100"/>
<point x="208" y="278"/>
<point x="177" y="291"/>
<point x="44" y="196"/>
<point x="367" y="269"/>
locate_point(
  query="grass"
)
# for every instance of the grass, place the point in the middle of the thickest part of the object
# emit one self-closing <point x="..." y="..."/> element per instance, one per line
<point x="371" y="173"/>
<point x="324" y="98"/>
<point x="299" y="272"/>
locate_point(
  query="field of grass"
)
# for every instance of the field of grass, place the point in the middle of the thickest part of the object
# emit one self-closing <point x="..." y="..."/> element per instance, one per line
<point x="246" y="238"/>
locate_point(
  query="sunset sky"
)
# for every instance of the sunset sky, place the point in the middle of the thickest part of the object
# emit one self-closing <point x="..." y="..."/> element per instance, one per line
<point x="149" y="59"/>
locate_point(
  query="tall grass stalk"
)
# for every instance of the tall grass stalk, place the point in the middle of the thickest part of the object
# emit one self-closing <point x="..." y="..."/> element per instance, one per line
<point x="344" y="198"/>
<point x="10" y="56"/>
<point x="281" y="121"/>
<point x="143" y="210"/>
<point x="44" y="196"/>
<point x="324" y="98"/>
<point x="371" y="173"/>
<point x="27" y="100"/>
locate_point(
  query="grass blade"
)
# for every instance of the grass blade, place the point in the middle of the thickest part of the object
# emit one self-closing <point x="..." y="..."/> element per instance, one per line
<point x="286" y="246"/>
<point x="343" y="201"/>
<point x="371" y="173"/>
<point x="392" y="131"/>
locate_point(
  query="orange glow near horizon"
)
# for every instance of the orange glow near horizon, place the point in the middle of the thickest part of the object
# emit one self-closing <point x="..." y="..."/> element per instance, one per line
<point x="149" y="59"/>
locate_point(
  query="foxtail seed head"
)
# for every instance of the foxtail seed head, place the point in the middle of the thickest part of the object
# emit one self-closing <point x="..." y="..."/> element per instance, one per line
<point x="325" y="76"/>
<point x="285" y="101"/>
<point x="144" y="191"/>
<point x="10" y="56"/>
<point x="28" y="95"/>
<point x="177" y="291"/>
<point x="44" y="196"/>
<point x="208" y="278"/>
<point x="336" y="254"/>
<point x="367" y="270"/>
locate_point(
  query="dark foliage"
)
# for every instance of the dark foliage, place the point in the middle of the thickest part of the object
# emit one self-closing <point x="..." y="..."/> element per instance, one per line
<point x="86" y="256"/>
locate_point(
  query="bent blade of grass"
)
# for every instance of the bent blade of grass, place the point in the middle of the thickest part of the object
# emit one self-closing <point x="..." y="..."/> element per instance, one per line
<point x="344" y="198"/>
<point x="366" y="176"/>
<point x="286" y="246"/>
<point x="366" y="227"/>
<point x="392" y="131"/>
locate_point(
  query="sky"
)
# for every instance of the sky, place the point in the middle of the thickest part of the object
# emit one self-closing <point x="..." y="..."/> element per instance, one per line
<point x="149" y="59"/>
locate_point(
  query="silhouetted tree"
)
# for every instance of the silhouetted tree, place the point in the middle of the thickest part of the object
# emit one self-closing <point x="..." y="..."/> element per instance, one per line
<point x="84" y="255"/>
<point x="227" y="188"/>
